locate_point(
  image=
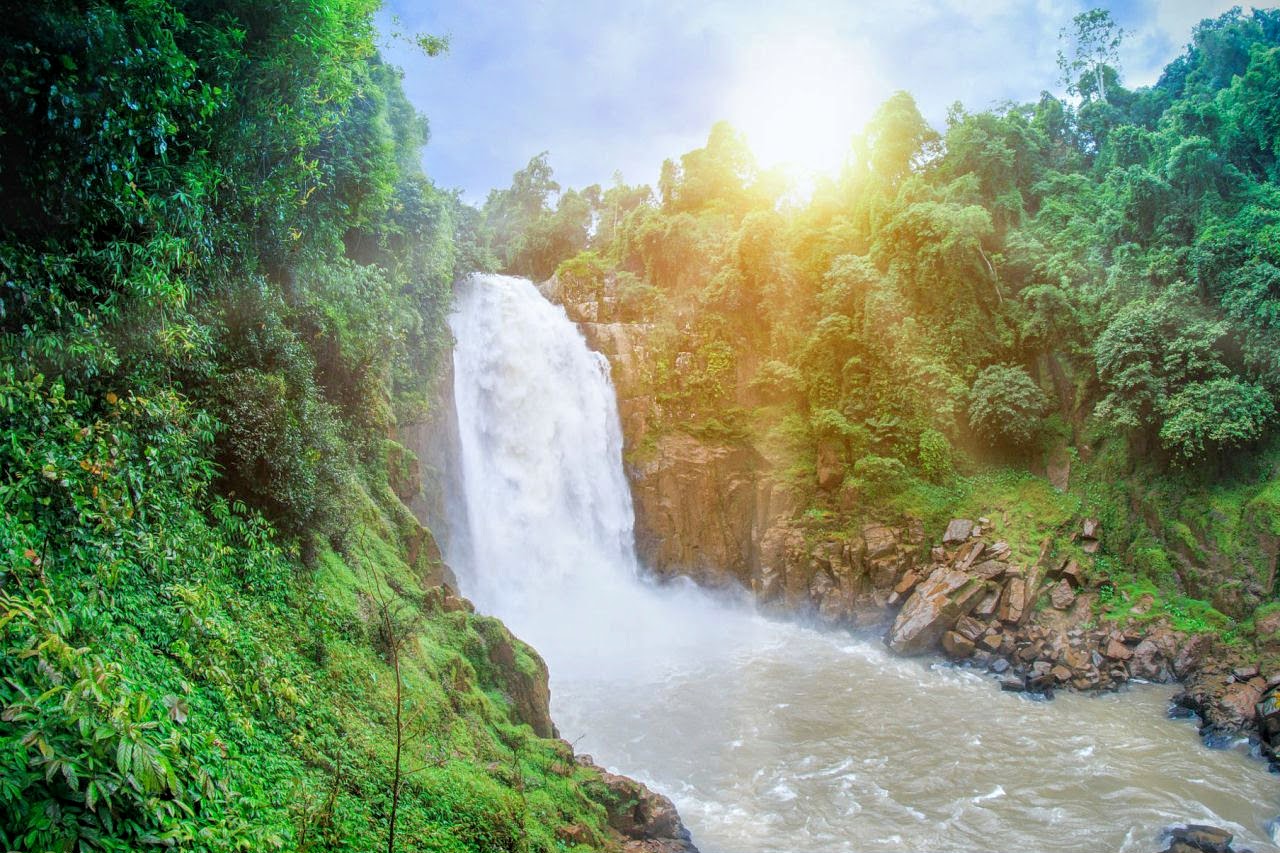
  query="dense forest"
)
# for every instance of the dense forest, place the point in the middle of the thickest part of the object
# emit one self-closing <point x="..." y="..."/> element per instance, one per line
<point x="1090" y="282"/>
<point x="223" y="282"/>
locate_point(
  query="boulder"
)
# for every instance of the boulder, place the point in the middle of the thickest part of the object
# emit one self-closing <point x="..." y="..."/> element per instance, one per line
<point x="1148" y="661"/>
<point x="1013" y="683"/>
<point x="986" y="608"/>
<point x="997" y="551"/>
<point x="957" y="531"/>
<point x="933" y="609"/>
<point x="1201" y="838"/>
<point x="1062" y="595"/>
<point x="1072" y="574"/>
<point x="956" y="645"/>
<point x="1239" y="704"/>
<point x="1091" y="528"/>
<point x="1013" y="602"/>
<point x="970" y="628"/>
<point x="904" y="586"/>
<point x="1268" y="712"/>
<point x="968" y="553"/>
<point x="990" y="569"/>
<point x="1192" y="655"/>
<point x="1117" y="650"/>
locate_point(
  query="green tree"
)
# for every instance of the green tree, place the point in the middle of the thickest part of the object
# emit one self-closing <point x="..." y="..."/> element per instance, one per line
<point x="1006" y="405"/>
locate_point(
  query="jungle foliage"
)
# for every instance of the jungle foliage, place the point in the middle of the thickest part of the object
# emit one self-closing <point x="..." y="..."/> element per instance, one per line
<point x="223" y="282"/>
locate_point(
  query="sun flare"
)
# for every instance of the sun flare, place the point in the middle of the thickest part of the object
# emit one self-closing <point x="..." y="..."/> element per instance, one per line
<point x="800" y="102"/>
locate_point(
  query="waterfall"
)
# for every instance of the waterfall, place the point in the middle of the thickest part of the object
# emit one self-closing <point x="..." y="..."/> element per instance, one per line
<point x="546" y="499"/>
<point x="771" y="736"/>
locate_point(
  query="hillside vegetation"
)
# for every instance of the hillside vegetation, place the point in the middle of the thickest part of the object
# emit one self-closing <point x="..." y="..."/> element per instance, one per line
<point x="223" y="279"/>
<point x="1084" y="287"/>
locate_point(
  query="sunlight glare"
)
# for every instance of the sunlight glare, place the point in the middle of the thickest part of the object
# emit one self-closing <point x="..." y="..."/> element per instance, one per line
<point x="800" y="101"/>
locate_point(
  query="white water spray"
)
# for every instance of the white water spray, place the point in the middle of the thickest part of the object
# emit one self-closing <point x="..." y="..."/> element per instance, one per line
<point x="769" y="736"/>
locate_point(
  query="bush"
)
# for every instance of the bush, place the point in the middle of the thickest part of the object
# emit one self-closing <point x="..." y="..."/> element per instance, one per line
<point x="1207" y="416"/>
<point x="1005" y="405"/>
<point x="935" y="456"/>
<point x="879" y="477"/>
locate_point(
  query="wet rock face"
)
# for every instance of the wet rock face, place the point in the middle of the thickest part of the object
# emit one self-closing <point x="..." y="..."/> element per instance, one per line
<point x="695" y="505"/>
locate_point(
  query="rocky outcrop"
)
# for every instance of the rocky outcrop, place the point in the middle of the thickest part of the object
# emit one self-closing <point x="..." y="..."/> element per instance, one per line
<point x="647" y="821"/>
<point x="520" y="674"/>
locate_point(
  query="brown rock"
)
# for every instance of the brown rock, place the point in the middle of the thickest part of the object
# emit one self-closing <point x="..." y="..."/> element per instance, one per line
<point x="1013" y="602"/>
<point x="1239" y="704"/>
<point x="1072" y="574"/>
<point x="992" y="642"/>
<point x="997" y="551"/>
<point x="956" y="645"/>
<point x="1205" y="839"/>
<point x="638" y="813"/>
<point x="990" y="569"/>
<point x="1117" y="650"/>
<point x="696" y="505"/>
<point x="986" y="608"/>
<point x="1061" y="674"/>
<point x="1148" y="661"/>
<point x="957" y="531"/>
<point x="908" y="582"/>
<point x="1192" y="655"/>
<point x="1062" y="595"/>
<point x="1091" y="529"/>
<point x="933" y="609"/>
<point x="1077" y="659"/>
<point x="967" y="554"/>
<point x="880" y="540"/>
<point x="970" y="628"/>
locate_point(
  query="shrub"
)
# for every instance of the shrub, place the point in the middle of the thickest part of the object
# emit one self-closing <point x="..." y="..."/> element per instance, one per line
<point x="880" y="476"/>
<point x="1005" y="405"/>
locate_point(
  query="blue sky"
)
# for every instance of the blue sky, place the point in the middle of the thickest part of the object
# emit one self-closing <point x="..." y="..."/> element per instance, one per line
<point x="608" y="86"/>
